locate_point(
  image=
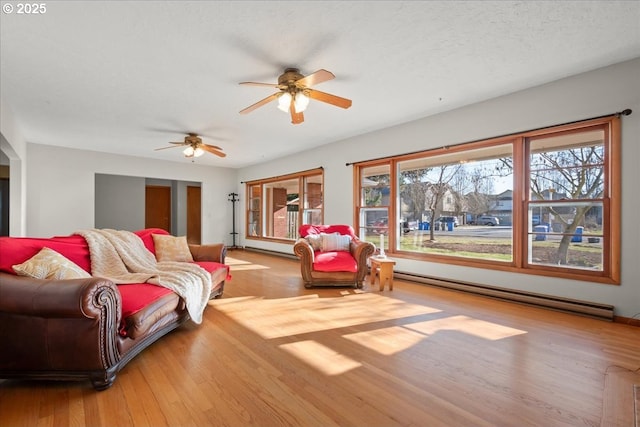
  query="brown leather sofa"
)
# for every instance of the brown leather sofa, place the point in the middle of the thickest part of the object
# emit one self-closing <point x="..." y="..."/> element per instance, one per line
<point x="74" y="329"/>
<point x="347" y="267"/>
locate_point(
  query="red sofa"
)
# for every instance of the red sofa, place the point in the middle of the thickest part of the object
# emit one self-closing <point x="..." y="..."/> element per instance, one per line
<point x="86" y="328"/>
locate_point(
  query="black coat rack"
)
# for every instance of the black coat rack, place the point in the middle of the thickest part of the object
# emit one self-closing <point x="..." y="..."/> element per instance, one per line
<point x="233" y="199"/>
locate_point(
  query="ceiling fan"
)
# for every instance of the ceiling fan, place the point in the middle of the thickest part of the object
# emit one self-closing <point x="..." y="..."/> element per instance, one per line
<point x="195" y="147"/>
<point x="295" y="91"/>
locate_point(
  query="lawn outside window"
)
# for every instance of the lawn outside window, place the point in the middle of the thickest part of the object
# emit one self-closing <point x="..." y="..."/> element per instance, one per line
<point x="543" y="202"/>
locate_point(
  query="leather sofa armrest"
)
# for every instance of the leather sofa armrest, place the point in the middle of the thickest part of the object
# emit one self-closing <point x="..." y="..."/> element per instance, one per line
<point x="58" y="324"/>
<point x="73" y="298"/>
<point x="215" y="252"/>
<point x="361" y="250"/>
<point x="303" y="250"/>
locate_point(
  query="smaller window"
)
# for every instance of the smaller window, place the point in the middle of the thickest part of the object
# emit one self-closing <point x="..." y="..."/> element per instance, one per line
<point x="276" y="207"/>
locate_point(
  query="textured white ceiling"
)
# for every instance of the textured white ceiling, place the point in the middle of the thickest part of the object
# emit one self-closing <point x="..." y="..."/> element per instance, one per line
<point x="129" y="76"/>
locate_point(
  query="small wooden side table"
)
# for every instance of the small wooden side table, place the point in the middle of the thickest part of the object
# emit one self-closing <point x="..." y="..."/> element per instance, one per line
<point x="384" y="267"/>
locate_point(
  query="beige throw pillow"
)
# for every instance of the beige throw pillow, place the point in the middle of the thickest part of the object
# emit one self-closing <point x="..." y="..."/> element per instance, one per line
<point x="171" y="248"/>
<point x="49" y="264"/>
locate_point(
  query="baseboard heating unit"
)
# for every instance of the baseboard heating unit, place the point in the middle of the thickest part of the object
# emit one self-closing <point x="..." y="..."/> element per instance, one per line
<point x="584" y="308"/>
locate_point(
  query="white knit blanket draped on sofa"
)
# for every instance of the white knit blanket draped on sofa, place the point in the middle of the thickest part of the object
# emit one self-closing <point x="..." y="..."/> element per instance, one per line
<point x="121" y="257"/>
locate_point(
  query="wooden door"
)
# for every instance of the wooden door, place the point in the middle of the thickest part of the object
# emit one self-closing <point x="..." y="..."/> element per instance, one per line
<point x="193" y="215"/>
<point x="157" y="207"/>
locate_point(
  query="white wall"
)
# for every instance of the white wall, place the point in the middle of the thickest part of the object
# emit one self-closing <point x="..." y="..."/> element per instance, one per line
<point x="587" y="95"/>
<point x="14" y="146"/>
<point x="119" y="202"/>
<point x="61" y="189"/>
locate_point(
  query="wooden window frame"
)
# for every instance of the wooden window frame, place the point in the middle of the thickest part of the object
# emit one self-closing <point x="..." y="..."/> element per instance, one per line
<point x="610" y="273"/>
<point x="260" y="183"/>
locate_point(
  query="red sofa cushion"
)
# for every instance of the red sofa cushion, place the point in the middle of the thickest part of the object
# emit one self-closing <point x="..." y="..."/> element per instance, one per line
<point x="335" y="261"/>
<point x="211" y="267"/>
<point x="136" y="296"/>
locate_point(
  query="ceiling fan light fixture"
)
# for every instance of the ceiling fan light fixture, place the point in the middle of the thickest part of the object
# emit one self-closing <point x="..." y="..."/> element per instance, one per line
<point x="198" y="152"/>
<point x="301" y="102"/>
<point x="284" y="102"/>
<point x="189" y="151"/>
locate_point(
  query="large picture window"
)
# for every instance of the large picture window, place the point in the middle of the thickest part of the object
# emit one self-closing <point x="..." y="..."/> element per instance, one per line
<point x="276" y="207"/>
<point x="541" y="202"/>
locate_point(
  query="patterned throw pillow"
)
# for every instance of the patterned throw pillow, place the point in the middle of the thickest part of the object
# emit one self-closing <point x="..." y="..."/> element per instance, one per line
<point x="171" y="248"/>
<point x="49" y="264"/>
<point x="335" y="242"/>
<point x="315" y="240"/>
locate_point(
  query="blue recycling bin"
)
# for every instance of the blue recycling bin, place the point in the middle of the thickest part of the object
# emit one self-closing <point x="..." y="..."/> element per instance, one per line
<point x="424" y="226"/>
<point x="541" y="229"/>
<point x="450" y="226"/>
<point x="577" y="237"/>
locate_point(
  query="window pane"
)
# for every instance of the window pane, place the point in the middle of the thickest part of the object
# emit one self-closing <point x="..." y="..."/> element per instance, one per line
<point x="459" y="204"/>
<point x="375" y="193"/>
<point x="577" y="246"/>
<point x="282" y="204"/>
<point x="568" y="166"/>
<point x="312" y="200"/>
<point x="255" y="207"/>
<point x="567" y="187"/>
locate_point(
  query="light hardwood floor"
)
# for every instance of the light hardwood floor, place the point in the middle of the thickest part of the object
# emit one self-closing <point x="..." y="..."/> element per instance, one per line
<point x="272" y="353"/>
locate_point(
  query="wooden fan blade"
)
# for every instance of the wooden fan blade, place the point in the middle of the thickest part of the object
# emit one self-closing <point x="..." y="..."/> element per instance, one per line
<point x="212" y="146"/>
<point x="329" y="99"/>
<point x="213" y="150"/>
<point x="260" y="103"/>
<point x="296" y="118"/>
<point x="260" y="84"/>
<point x="171" y="146"/>
<point x="315" y="78"/>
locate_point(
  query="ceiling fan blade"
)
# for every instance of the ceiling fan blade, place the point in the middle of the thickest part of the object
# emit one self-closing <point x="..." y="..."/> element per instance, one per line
<point x="213" y="150"/>
<point x="296" y="117"/>
<point x="212" y="146"/>
<point x="329" y="99"/>
<point x="260" y="84"/>
<point x="171" y="146"/>
<point x="315" y="78"/>
<point x="260" y="103"/>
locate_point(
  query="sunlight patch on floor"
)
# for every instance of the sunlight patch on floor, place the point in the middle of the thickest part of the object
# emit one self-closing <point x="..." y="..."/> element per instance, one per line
<point x="322" y="358"/>
<point x="394" y="339"/>
<point x="387" y="341"/>
<point x="468" y="325"/>
<point x="239" y="265"/>
<point x="281" y="317"/>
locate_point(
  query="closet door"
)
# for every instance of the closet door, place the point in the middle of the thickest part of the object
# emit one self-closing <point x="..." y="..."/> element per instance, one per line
<point x="157" y="207"/>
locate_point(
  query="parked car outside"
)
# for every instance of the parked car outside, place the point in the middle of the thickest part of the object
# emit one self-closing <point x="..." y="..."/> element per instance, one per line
<point x="381" y="226"/>
<point x="447" y="219"/>
<point x="487" y="220"/>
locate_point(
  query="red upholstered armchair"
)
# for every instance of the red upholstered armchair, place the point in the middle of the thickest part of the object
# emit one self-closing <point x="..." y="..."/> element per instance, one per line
<point x="332" y="255"/>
